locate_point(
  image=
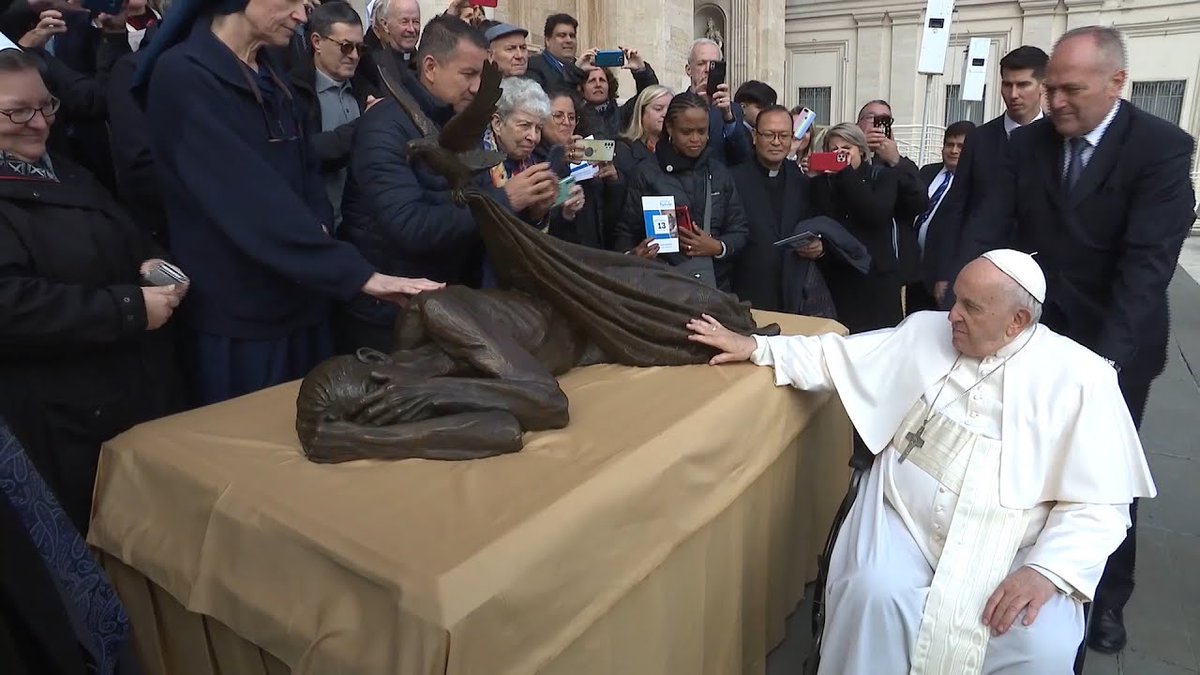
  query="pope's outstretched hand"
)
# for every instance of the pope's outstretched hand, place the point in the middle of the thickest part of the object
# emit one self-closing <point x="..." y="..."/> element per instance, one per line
<point x="732" y="346"/>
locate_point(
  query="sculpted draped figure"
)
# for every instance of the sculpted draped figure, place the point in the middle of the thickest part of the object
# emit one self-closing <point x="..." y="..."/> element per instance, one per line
<point x="472" y="370"/>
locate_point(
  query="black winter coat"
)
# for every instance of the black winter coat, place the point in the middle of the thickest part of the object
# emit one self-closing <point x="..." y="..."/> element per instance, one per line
<point x="758" y="274"/>
<point x="686" y="181"/>
<point x="864" y="201"/>
<point x="331" y="147"/>
<point x="77" y="365"/>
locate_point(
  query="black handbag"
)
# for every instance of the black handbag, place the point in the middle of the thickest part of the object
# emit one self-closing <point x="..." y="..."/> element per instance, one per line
<point x="702" y="267"/>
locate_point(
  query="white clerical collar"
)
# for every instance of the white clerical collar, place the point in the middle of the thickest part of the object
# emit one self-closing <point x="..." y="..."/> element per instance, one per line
<point x="5" y="43"/>
<point x="1011" y="125"/>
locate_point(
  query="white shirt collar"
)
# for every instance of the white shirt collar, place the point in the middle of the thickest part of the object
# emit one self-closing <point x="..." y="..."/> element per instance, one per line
<point x="5" y="43"/>
<point x="1093" y="137"/>
<point x="1011" y="125"/>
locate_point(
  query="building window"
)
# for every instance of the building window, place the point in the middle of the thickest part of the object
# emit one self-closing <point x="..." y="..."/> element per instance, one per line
<point x="958" y="109"/>
<point x="817" y="99"/>
<point x="1163" y="98"/>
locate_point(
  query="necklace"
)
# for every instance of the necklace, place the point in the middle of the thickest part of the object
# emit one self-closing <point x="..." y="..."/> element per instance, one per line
<point x="916" y="439"/>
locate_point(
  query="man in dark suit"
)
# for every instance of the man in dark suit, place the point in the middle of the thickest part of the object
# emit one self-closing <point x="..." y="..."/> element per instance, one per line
<point x="934" y="241"/>
<point x="1021" y="73"/>
<point x="1101" y="190"/>
<point x="774" y="192"/>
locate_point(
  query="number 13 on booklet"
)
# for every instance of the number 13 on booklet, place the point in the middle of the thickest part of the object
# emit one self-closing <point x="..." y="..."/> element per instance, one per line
<point x="661" y="225"/>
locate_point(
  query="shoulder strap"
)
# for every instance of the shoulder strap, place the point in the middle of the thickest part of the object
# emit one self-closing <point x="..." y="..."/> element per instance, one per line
<point x="707" y="226"/>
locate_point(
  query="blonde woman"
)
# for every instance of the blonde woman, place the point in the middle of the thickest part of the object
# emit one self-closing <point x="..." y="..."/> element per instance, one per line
<point x="862" y="197"/>
<point x="645" y="128"/>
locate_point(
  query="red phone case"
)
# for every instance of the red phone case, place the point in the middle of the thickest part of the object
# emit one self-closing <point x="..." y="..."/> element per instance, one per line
<point x="683" y="218"/>
<point x="826" y="161"/>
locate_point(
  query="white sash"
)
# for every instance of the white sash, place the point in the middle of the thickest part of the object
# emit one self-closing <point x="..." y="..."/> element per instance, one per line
<point x="980" y="546"/>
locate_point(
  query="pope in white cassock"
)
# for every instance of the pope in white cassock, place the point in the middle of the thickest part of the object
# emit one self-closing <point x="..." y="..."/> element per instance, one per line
<point x="1005" y="464"/>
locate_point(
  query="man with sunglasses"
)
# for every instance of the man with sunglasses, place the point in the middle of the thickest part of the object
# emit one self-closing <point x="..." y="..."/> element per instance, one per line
<point x="323" y="85"/>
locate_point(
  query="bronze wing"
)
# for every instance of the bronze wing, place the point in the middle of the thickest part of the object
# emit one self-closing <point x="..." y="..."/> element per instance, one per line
<point x="465" y="130"/>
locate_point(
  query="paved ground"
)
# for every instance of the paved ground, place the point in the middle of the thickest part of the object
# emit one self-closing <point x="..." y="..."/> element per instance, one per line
<point x="1164" y="616"/>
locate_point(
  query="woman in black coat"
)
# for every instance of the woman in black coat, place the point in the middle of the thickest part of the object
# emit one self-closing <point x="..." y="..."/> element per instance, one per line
<point x="637" y="142"/>
<point x="83" y="356"/>
<point x="684" y="170"/>
<point x="862" y="197"/>
<point x="606" y="117"/>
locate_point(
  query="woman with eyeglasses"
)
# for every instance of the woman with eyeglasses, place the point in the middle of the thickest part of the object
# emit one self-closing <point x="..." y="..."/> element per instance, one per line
<point x="248" y="216"/>
<point x="604" y="194"/>
<point x="84" y="347"/>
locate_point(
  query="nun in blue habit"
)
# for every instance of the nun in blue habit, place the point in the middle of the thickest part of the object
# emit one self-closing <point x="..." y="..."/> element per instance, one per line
<point x="247" y="213"/>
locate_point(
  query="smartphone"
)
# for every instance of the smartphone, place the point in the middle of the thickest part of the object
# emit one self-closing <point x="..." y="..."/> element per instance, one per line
<point x="165" y="274"/>
<point x="564" y="190"/>
<point x="803" y="122"/>
<point x="683" y="218"/>
<point x="609" y="58"/>
<point x="716" y="77"/>
<point x="597" y="150"/>
<point x="111" y="7"/>
<point x="828" y="161"/>
<point x="884" y="123"/>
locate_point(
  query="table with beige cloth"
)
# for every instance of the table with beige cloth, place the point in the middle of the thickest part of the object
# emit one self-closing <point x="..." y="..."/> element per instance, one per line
<point x="669" y="529"/>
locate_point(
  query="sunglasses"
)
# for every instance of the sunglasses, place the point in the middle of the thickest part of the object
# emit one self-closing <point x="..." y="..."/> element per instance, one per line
<point x="347" y="46"/>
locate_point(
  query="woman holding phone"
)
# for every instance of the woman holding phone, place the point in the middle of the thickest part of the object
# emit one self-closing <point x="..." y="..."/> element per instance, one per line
<point x="862" y="197"/>
<point x="683" y="168"/>
<point x="605" y="117"/>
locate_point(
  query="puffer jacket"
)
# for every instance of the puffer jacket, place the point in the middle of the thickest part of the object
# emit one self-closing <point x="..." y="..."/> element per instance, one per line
<point x="685" y="180"/>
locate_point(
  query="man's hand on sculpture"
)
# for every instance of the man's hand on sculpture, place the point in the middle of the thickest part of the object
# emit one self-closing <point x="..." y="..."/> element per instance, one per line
<point x="733" y="347"/>
<point x="397" y="289"/>
<point x="698" y="243"/>
<point x="1026" y="589"/>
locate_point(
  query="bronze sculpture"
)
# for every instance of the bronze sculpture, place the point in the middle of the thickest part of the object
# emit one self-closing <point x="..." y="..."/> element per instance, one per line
<point x="472" y="369"/>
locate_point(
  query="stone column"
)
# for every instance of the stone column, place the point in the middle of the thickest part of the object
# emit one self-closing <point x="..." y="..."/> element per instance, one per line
<point x="739" y="42"/>
<point x="1082" y="13"/>
<point x="873" y="76"/>
<point x="907" y="91"/>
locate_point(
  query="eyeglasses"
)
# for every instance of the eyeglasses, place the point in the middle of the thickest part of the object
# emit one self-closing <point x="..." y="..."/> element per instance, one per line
<point x="778" y="137"/>
<point x="564" y="118"/>
<point x="25" y="115"/>
<point x="347" y="46"/>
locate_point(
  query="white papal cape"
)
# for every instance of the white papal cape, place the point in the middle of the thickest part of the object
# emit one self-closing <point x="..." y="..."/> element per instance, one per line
<point x="1062" y="436"/>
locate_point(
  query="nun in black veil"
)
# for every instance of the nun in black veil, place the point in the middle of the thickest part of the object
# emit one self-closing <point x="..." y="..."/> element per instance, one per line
<point x="248" y="218"/>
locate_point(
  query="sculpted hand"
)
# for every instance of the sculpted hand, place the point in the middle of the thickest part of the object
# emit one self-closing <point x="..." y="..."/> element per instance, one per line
<point x="732" y="347"/>
<point x="1026" y="589"/>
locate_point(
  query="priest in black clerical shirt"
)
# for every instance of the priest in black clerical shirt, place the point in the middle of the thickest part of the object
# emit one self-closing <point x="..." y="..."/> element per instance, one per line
<point x="774" y="193"/>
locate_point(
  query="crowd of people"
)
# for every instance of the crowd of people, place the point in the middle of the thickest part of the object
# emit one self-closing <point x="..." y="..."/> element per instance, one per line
<point x="261" y="148"/>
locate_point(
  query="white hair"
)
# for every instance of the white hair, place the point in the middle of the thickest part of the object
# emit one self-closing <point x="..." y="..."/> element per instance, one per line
<point x="378" y="10"/>
<point x="704" y="41"/>
<point x="524" y="95"/>
<point x="1023" y="299"/>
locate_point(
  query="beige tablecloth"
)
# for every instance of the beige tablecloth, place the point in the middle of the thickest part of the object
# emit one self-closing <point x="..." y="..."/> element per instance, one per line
<point x="669" y="529"/>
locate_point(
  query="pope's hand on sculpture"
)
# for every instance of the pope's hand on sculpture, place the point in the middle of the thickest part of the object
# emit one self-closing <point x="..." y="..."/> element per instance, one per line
<point x="471" y="370"/>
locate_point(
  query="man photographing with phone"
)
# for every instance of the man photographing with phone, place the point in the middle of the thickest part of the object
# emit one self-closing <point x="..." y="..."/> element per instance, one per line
<point x="728" y="139"/>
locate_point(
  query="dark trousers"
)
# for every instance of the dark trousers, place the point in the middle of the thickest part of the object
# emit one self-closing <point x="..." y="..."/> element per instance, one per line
<point x="1116" y="586"/>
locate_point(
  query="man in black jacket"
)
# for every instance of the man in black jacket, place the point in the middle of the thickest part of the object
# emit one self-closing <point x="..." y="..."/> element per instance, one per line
<point x="728" y="137"/>
<point x="1102" y="191"/>
<point x="774" y="193"/>
<point x="555" y="67"/>
<point x="395" y="32"/>
<point x="1021" y="73"/>
<point x="402" y="216"/>
<point x="875" y="119"/>
<point x="323" y="85"/>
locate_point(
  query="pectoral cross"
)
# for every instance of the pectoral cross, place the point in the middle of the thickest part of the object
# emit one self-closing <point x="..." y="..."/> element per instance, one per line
<point x="916" y="439"/>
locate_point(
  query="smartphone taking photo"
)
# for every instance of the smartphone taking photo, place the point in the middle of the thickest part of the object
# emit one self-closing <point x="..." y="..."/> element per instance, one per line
<point x="828" y="161"/>
<point x="716" y="78"/>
